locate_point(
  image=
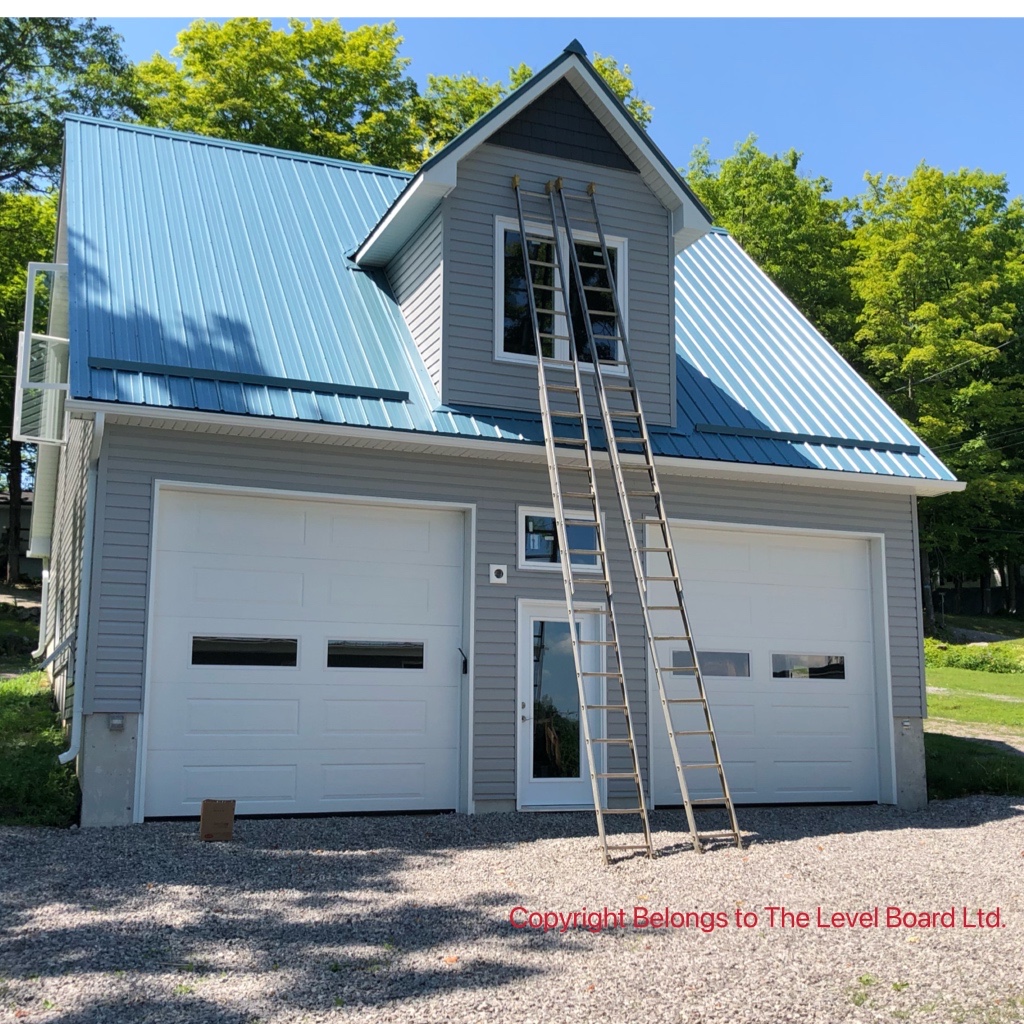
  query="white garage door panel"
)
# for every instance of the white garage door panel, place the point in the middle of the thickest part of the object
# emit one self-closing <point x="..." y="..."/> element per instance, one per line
<point x="303" y="738"/>
<point x="782" y="739"/>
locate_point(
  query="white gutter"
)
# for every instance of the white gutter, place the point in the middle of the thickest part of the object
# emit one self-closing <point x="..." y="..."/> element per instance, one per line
<point x="515" y="451"/>
<point x="84" y="590"/>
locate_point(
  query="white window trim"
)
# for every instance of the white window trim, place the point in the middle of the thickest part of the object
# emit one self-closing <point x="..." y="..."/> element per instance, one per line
<point x="530" y="566"/>
<point x="501" y="225"/>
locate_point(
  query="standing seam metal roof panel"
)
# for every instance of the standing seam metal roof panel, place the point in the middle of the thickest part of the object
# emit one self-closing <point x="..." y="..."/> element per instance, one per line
<point x="204" y="255"/>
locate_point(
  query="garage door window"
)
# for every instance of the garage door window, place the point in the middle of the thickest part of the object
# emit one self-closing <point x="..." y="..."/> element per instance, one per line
<point x="808" y="666"/>
<point x="245" y="650"/>
<point x="715" y="663"/>
<point x="374" y="654"/>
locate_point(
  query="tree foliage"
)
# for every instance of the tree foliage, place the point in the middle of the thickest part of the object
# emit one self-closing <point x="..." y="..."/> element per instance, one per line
<point x="50" y="67"/>
<point x="939" y="270"/>
<point x="313" y="88"/>
<point x="317" y="88"/>
<point x="788" y="224"/>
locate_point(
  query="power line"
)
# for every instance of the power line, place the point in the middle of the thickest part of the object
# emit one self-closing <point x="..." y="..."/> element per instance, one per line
<point x="949" y="445"/>
<point x="942" y="373"/>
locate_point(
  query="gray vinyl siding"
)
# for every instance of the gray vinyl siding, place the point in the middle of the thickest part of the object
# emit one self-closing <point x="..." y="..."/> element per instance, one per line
<point x="471" y="374"/>
<point x="66" y="548"/>
<point x="134" y="458"/>
<point x="415" y="276"/>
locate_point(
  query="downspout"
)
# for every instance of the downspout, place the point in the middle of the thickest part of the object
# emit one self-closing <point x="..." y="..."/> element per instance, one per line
<point x="84" y="591"/>
<point x="44" y="605"/>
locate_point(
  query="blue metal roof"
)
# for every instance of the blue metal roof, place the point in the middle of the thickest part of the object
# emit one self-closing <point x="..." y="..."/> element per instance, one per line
<point x="208" y="275"/>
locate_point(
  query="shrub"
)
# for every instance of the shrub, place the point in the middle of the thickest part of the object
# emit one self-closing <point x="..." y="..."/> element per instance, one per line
<point x="991" y="658"/>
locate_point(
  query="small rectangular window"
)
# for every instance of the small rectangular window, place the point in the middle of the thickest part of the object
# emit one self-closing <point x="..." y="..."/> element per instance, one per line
<point x="244" y="650"/>
<point x="808" y="666"/>
<point x="715" y="663"/>
<point x="374" y="654"/>
<point x="540" y="542"/>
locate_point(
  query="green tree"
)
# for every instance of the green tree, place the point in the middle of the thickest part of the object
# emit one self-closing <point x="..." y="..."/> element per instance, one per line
<point x="789" y="226"/>
<point x="312" y="88"/>
<point x="50" y="67"/>
<point x="940" y="274"/>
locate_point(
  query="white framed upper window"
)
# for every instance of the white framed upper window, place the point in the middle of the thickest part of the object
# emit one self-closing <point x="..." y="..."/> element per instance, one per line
<point x="513" y="330"/>
<point x="538" y="541"/>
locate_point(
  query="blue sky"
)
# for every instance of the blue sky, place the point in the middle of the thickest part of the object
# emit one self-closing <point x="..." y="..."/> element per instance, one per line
<point x="852" y="95"/>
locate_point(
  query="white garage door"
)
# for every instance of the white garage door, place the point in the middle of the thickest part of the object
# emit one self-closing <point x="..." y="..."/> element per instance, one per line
<point x="783" y="625"/>
<point x="305" y="656"/>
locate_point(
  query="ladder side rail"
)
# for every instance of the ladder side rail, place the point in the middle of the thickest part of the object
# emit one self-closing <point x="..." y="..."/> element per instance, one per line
<point x="656" y="496"/>
<point x="601" y="540"/>
<point x="562" y="531"/>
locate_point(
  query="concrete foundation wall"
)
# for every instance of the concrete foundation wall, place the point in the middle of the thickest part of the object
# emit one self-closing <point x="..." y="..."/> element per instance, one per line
<point x="911" y="780"/>
<point x="106" y="769"/>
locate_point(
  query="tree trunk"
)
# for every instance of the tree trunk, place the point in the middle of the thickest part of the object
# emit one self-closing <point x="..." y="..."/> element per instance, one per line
<point x="928" y="604"/>
<point x="14" y="512"/>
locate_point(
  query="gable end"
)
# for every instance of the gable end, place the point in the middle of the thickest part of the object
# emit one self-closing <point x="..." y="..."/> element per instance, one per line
<point x="560" y="124"/>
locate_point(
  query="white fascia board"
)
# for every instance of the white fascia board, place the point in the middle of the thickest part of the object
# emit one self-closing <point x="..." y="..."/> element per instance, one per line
<point x="427" y="189"/>
<point x="507" y="451"/>
<point x="411" y="209"/>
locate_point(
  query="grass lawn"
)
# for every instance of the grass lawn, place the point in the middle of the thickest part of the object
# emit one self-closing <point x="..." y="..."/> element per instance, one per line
<point x="34" y="788"/>
<point x="1005" y="684"/>
<point x="1004" y="625"/>
<point x="961" y="767"/>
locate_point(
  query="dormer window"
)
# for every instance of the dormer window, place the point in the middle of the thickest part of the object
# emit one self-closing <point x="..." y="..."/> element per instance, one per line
<point x="514" y="339"/>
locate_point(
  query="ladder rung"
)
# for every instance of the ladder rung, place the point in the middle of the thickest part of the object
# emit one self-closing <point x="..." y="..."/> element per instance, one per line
<point x="661" y="579"/>
<point x="619" y="387"/>
<point x="623" y="810"/>
<point x="567" y="388"/>
<point x="664" y="608"/>
<point x="576" y="521"/>
<point x="604" y="675"/>
<point x="662" y="550"/>
<point x="580" y="494"/>
<point x="615" y="775"/>
<point x="591" y="581"/>
<point x="706" y="801"/>
<point x="555" y="414"/>
<point x="684" y="700"/>
<point x="598" y="643"/>
<point x="606" y="707"/>
<point x="590" y="266"/>
<point x="546" y="288"/>
<point x="648" y="521"/>
<point x="681" y="670"/>
<point x="543" y="263"/>
<point x="585" y="551"/>
<point x="679" y="636"/>
<point x="598" y="288"/>
<point x="712" y="764"/>
<point x="649" y="493"/>
<point x="619" y="847"/>
<point x="570" y="440"/>
<point x="614" y="739"/>
<point x="616" y="414"/>
<point x="692" y="732"/>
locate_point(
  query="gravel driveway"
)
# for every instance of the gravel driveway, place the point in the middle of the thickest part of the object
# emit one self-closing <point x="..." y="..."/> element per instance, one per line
<point x="407" y="919"/>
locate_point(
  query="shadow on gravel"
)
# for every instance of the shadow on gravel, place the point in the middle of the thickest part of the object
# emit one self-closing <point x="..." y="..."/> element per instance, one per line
<point x="136" y="910"/>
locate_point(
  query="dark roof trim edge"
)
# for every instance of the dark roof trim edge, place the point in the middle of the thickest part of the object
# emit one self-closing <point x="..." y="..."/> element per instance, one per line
<point x="228" y="376"/>
<point x="835" y="442"/>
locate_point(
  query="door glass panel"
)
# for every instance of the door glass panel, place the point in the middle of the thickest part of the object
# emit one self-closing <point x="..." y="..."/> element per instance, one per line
<point x="244" y="650"/>
<point x="808" y="666"/>
<point x="556" y="704"/>
<point x="715" y="663"/>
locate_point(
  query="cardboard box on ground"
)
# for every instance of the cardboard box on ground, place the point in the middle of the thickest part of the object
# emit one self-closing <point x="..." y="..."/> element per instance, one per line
<point x="217" y="821"/>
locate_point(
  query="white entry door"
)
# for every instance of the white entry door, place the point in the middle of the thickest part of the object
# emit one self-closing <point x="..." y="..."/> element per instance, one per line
<point x="552" y="767"/>
<point x="304" y="655"/>
<point x="783" y="625"/>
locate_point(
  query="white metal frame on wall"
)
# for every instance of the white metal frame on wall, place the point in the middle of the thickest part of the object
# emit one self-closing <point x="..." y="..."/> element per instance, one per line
<point x="884" y="720"/>
<point x="468" y="510"/>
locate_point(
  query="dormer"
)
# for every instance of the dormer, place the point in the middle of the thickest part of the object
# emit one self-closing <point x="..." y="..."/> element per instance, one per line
<point x="450" y="248"/>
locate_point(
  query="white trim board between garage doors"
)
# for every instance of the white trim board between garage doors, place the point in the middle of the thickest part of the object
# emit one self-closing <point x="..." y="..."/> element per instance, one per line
<point x="751" y="706"/>
<point x="459" y="603"/>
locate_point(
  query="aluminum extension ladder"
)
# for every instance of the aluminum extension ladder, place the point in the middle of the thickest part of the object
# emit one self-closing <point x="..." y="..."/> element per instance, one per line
<point x="631" y="457"/>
